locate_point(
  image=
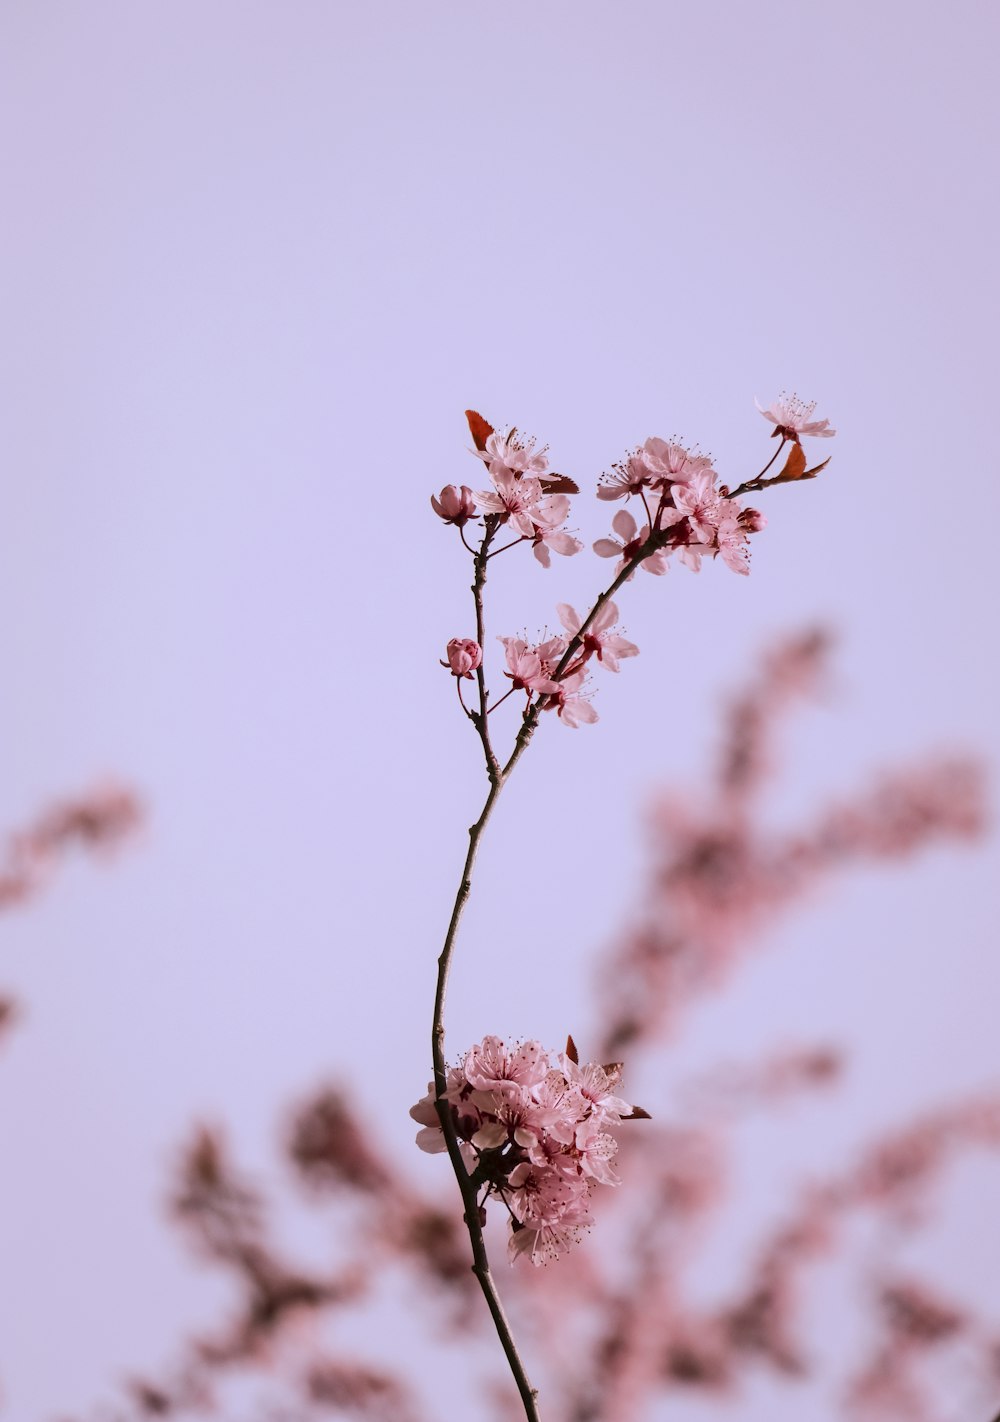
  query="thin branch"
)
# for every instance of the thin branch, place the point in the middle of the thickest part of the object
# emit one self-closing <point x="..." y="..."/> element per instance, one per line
<point x="479" y="582"/>
<point x="458" y="684"/>
<point x="481" y="1264"/>
<point x="502" y="700"/>
<point x="754" y="485"/>
<point x="498" y="778"/>
<point x="497" y="551"/>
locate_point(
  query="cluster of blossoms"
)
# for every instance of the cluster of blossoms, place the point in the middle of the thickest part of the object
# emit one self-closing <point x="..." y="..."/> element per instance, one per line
<point x="536" y="668"/>
<point x="685" y="511"/>
<point x="535" y="1133"/>
<point x="524" y="494"/>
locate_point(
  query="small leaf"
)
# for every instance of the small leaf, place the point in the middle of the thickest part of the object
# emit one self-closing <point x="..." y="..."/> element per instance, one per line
<point x="612" y="1069"/>
<point x="560" y="484"/>
<point x="811" y="473"/>
<point x="571" y="1051"/>
<point x="638" y="1114"/>
<point x="479" y="428"/>
<point x="795" y="464"/>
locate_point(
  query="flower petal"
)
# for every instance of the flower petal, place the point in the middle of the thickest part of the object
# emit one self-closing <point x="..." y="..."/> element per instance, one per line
<point x="624" y="525"/>
<point x="568" y="617"/>
<point x="607" y="548"/>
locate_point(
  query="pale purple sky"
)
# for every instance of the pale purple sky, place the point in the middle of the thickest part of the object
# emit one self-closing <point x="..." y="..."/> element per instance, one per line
<point x="256" y="260"/>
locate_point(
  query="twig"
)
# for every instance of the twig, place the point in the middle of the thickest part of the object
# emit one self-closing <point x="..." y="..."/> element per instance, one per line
<point x="498" y="778"/>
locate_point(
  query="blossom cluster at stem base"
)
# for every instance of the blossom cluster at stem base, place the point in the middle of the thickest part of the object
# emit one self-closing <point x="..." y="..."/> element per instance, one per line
<point x="535" y="1130"/>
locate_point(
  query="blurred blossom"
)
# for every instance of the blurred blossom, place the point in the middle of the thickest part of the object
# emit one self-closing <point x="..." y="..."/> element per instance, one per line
<point x="627" y="1328"/>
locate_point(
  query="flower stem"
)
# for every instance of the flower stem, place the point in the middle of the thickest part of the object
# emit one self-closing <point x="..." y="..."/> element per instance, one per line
<point x="754" y="485"/>
<point x="479" y="582"/>
<point x="481" y="1263"/>
<point x="502" y="699"/>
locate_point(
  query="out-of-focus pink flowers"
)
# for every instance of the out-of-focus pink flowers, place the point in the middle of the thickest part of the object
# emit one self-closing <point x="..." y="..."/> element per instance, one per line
<point x="537" y="1129"/>
<point x="601" y="640"/>
<point x="464" y="656"/>
<point x="792" y="417"/>
<point x="455" y="504"/>
<point x="99" y="821"/>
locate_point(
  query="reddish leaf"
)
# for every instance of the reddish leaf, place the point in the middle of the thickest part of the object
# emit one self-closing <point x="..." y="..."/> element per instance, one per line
<point x="811" y="473"/>
<point x="571" y="1051"/>
<point x="638" y="1114"/>
<point x="795" y="464"/>
<point x="480" y="429"/>
<point x="560" y="484"/>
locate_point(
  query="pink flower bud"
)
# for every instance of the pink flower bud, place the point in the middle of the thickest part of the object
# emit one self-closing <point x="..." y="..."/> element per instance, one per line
<point x="752" y="520"/>
<point x="454" y="504"/>
<point x="464" y="655"/>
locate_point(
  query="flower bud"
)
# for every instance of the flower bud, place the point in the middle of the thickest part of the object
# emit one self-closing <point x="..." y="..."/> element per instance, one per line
<point x="464" y="655"/>
<point x="752" y="520"/>
<point x="454" y="504"/>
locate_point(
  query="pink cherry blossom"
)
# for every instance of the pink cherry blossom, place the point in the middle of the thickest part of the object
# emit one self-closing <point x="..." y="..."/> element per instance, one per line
<point x="490" y="1066"/>
<point x="670" y="463"/>
<point x="431" y="1137"/>
<point x="526" y="669"/>
<point x="538" y="1135"/>
<point x="515" y="499"/>
<point x="752" y="520"/>
<point x="548" y="1241"/>
<point x="455" y="504"/>
<point x="465" y="1114"/>
<point x="631" y="540"/>
<point x="464" y="656"/>
<point x="509" y="452"/>
<point x="629" y="477"/>
<point x="596" y="1085"/>
<point x="550" y="653"/>
<point x="570" y="703"/>
<point x="600" y="639"/>
<point x="732" y="540"/>
<point x="548" y="516"/>
<point x="561" y="1107"/>
<point x="690" y="555"/>
<point x="596" y="1149"/>
<point x="538" y="1196"/>
<point x="509" y="1115"/>
<point x="792" y="417"/>
<point x="698" y="501"/>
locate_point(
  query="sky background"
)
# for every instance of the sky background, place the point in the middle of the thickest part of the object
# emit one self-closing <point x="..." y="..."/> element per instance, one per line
<point x="255" y="262"/>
